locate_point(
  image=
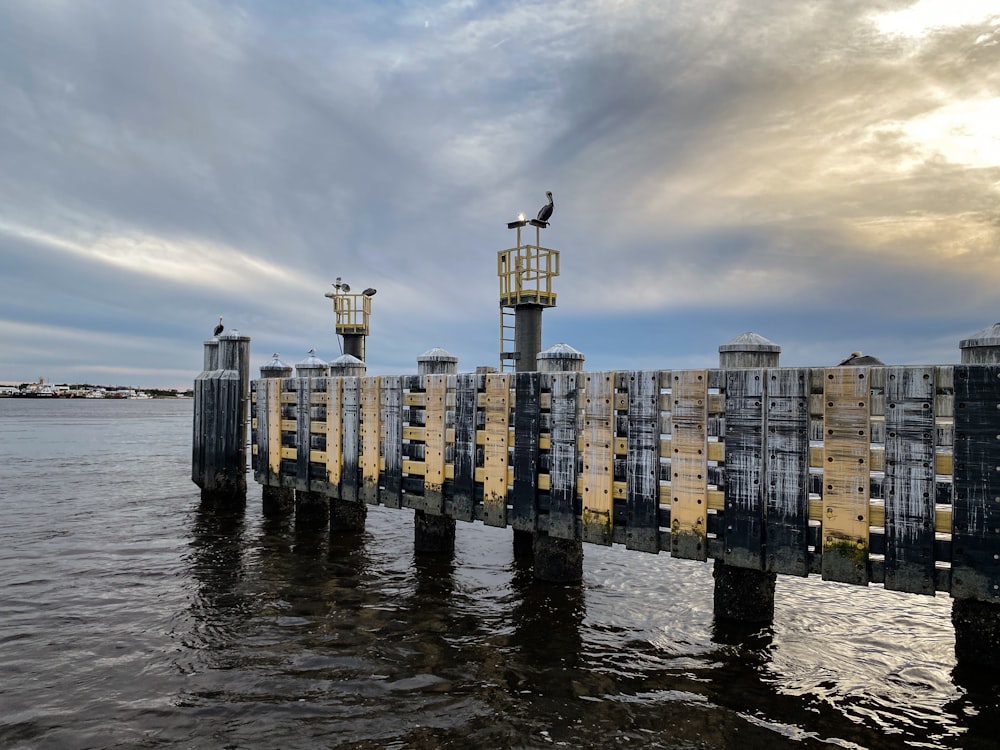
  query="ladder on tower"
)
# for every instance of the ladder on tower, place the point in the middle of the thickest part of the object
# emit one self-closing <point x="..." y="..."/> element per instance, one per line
<point x="508" y="354"/>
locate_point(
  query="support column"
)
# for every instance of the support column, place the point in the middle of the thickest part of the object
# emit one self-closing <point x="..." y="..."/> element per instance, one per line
<point x="527" y="336"/>
<point x="311" y="507"/>
<point x="221" y="408"/>
<point x="276" y="501"/>
<point x="977" y="623"/>
<point x="555" y="560"/>
<point x="743" y="594"/>
<point x="347" y="516"/>
<point x="354" y="345"/>
<point x="433" y="534"/>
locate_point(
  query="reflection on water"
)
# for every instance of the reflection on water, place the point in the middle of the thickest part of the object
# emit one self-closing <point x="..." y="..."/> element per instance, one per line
<point x="132" y="616"/>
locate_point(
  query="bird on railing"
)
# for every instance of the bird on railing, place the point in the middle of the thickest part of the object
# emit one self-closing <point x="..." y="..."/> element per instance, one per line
<point x="219" y="328"/>
<point x="545" y="212"/>
<point x="369" y="292"/>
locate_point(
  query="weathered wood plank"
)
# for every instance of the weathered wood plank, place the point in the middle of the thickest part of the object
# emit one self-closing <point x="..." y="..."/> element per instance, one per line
<point x="391" y="490"/>
<point x="563" y="451"/>
<point x="846" y="474"/>
<point x="976" y="511"/>
<point x="303" y="436"/>
<point x="273" y="419"/>
<point x="254" y="430"/>
<point x="527" y="419"/>
<point x="495" y="458"/>
<point x="260" y="466"/>
<point x="643" y="462"/>
<point x="786" y="475"/>
<point x="351" y="437"/>
<point x="689" y="465"/>
<point x="463" y="492"/>
<point x="371" y="430"/>
<point x="435" y="392"/>
<point x="743" y="533"/>
<point x="598" y="457"/>
<point x="909" y="479"/>
<point x="334" y="432"/>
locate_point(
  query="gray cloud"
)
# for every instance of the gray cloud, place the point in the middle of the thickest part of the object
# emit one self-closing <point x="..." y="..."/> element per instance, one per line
<point x="724" y="164"/>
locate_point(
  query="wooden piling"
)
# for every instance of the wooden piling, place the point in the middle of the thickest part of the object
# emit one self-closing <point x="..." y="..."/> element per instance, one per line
<point x="865" y="474"/>
<point x="221" y="402"/>
<point x="311" y="508"/>
<point x="433" y="531"/>
<point x="348" y="511"/>
<point x="744" y="582"/>
<point x="975" y="585"/>
<point x="556" y="546"/>
<point x="275" y="501"/>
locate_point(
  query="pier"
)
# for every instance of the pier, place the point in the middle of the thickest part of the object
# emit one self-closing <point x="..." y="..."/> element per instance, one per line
<point x="860" y="474"/>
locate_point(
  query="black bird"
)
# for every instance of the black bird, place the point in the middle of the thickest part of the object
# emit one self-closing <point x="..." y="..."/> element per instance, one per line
<point x="369" y="292"/>
<point x="546" y="211"/>
<point x="218" y="328"/>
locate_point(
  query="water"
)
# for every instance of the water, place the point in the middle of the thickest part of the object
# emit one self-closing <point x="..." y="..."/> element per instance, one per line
<point x="130" y="616"/>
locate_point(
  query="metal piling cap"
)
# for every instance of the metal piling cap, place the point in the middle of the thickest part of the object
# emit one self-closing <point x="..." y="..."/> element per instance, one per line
<point x="989" y="336"/>
<point x="274" y="363"/>
<point x="437" y="354"/>
<point x="560" y="351"/>
<point x="312" y="366"/>
<point x="346" y="360"/>
<point x="311" y="361"/>
<point x="750" y="342"/>
<point x="275" y="368"/>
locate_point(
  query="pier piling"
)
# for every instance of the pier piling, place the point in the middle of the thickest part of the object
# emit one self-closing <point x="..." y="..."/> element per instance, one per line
<point x="276" y="501"/>
<point x="221" y="400"/>
<point x="976" y="523"/>
<point x="743" y="593"/>
<point x="557" y="560"/>
<point x="347" y="515"/>
<point x="434" y="534"/>
<point x="311" y="508"/>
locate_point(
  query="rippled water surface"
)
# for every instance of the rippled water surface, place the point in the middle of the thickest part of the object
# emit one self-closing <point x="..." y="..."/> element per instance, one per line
<point x="130" y="616"/>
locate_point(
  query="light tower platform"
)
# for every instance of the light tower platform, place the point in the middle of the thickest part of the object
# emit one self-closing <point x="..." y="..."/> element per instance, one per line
<point x="526" y="272"/>
<point x="352" y="312"/>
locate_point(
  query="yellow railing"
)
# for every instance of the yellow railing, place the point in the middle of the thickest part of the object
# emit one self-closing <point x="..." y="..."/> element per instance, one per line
<point x="526" y="274"/>
<point x="352" y="312"/>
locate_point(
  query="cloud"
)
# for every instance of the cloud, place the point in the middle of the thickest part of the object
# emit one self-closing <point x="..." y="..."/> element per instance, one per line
<point x="812" y="167"/>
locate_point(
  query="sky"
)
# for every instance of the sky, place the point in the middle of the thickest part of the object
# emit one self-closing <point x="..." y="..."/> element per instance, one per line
<point x="825" y="174"/>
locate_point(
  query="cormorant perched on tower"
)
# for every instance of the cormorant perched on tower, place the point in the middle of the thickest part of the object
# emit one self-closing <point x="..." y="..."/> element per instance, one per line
<point x="218" y="328"/>
<point x="546" y="211"/>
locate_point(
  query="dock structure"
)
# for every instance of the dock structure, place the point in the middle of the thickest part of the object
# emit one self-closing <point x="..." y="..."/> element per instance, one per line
<point x="864" y="475"/>
<point x="219" y="444"/>
<point x="861" y="473"/>
<point x="860" y="501"/>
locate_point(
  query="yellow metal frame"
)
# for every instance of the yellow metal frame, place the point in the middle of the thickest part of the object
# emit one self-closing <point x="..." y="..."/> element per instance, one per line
<point x="352" y="312"/>
<point x="526" y="274"/>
